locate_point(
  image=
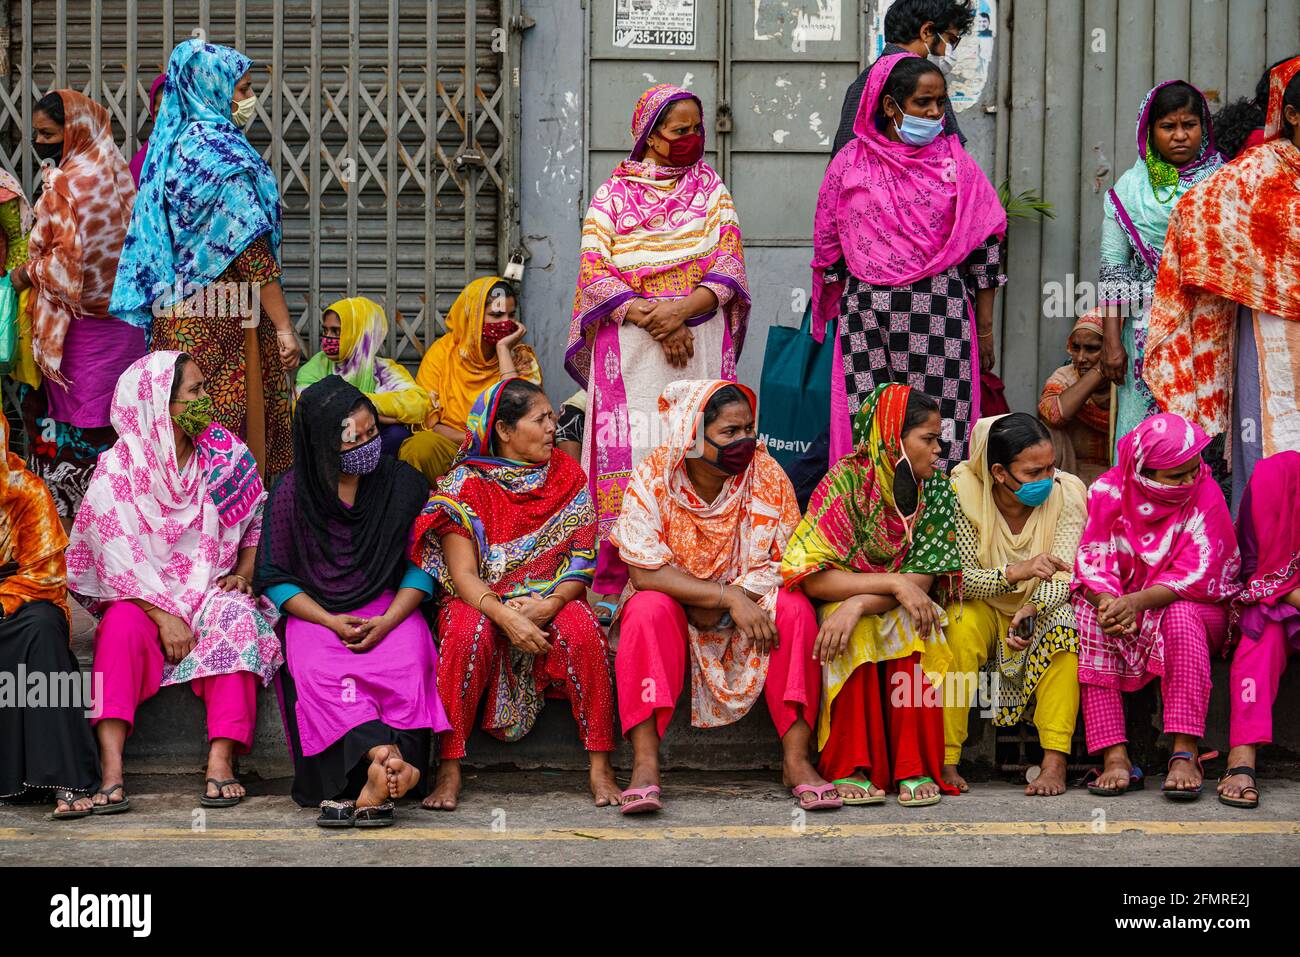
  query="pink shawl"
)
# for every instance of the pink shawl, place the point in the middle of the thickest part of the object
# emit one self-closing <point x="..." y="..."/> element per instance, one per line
<point x="897" y="213"/>
<point x="149" y="530"/>
<point x="1141" y="534"/>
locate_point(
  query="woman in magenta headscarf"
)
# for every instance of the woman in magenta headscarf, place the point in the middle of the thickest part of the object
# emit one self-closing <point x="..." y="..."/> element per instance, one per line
<point x="1265" y="616"/>
<point x="662" y="295"/>
<point x="137" y="161"/>
<point x="907" y="243"/>
<point x="1156" y="569"/>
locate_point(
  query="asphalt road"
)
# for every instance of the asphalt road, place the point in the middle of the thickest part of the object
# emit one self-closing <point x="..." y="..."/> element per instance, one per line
<point x="542" y="818"/>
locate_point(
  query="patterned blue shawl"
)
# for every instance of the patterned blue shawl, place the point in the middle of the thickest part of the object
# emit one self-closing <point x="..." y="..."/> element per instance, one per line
<point x="205" y="193"/>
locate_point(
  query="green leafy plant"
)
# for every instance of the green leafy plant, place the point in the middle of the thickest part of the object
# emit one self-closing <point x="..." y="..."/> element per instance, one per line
<point x="1024" y="205"/>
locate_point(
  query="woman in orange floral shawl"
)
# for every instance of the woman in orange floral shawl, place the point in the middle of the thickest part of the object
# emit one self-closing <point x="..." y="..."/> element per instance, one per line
<point x="704" y="521"/>
<point x="45" y="752"/>
<point x="1232" y="261"/>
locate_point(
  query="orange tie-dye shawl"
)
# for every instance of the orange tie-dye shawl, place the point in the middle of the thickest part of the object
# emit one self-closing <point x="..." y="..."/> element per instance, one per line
<point x="81" y="222"/>
<point x="32" y="539"/>
<point x="1234" y="239"/>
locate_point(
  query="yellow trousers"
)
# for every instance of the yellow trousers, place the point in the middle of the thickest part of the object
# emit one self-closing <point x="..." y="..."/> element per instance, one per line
<point x="430" y="452"/>
<point x="971" y="637"/>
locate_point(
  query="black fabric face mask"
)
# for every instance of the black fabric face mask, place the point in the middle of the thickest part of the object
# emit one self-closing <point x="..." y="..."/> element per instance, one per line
<point x="48" y="151"/>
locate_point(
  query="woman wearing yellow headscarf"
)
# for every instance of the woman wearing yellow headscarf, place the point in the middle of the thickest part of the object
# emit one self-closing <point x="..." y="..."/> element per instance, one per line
<point x="482" y="346"/>
<point x="1018" y="529"/>
<point x="352" y="333"/>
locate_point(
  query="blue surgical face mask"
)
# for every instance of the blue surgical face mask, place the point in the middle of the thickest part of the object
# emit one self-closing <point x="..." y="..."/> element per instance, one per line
<point x="1034" y="494"/>
<point x="918" y="131"/>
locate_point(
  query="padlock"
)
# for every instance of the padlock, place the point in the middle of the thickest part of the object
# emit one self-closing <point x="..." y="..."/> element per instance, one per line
<point x="724" y="118"/>
<point x="515" y="268"/>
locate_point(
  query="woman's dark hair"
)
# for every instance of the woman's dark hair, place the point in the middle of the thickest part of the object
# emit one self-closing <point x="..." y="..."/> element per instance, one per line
<point x="904" y="19"/>
<point x="51" y="104"/>
<point x="1174" y="97"/>
<point x="1011" y="435"/>
<point x="514" y="402"/>
<point x="178" y="374"/>
<point x="1233" y="125"/>
<point x="919" y="409"/>
<point x="727" y="395"/>
<point x="502" y="288"/>
<point x="902" y="84"/>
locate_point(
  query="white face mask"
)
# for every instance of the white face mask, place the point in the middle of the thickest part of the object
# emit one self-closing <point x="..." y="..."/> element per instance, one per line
<point x="947" y="61"/>
<point x="244" y="110"/>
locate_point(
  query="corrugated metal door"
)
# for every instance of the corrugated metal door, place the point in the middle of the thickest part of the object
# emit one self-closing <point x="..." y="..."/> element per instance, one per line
<point x="391" y="189"/>
<point x="1077" y="74"/>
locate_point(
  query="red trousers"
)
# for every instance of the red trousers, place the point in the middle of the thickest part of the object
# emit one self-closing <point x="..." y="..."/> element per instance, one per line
<point x="888" y="721"/>
<point x="577" y="667"/>
<point x="651" y="661"/>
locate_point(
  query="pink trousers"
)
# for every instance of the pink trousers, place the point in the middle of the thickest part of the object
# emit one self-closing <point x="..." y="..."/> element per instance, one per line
<point x="652" y="643"/>
<point x="129" y="663"/>
<point x="1191" y="631"/>
<point x="1257" y="667"/>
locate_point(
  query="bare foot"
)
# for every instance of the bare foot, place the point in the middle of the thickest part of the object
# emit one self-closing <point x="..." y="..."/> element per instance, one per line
<point x="446" y="787"/>
<point x="1051" y="779"/>
<point x="1116" y="768"/>
<point x="401" y="776"/>
<point x="951" y="778"/>
<point x="604" y="787"/>
<point x="907" y="795"/>
<point x="862" y="787"/>
<point x="376" y="790"/>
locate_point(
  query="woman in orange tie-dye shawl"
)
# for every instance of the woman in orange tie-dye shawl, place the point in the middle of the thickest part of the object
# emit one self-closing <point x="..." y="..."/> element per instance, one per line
<point x="44" y="751"/>
<point x="662" y="295"/>
<point x="1232" y="259"/>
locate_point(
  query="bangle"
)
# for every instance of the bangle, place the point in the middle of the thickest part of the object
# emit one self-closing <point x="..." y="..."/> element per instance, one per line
<point x="722" y="591"/>
<point x="485" y="595"/>
<point x="986" y="335"/>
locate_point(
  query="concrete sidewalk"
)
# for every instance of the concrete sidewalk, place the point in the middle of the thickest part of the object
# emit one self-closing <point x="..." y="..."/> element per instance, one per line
<point x="514" y="817"/>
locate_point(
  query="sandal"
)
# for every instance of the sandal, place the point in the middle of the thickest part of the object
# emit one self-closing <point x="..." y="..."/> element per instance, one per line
<point x="1136" y="782"/>
<point x="112" y="807"/>
<point x="912" y="784"/>
<point x="68" y="797"/>
<point x="644" y="800"/>
<point x="864" y="785"/>
<point x="822" y="802"/>
<point x="604" y="610"/>
<point x="377" y="815"/>
<point x="219" y="801"/>
<point x="1243" y="801"/>
<point x="336" y="813"/>
<point x="1187" y="794"/>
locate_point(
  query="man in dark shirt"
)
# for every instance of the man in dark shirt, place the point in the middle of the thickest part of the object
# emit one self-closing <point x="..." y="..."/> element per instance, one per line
<point x="929" y="28"/>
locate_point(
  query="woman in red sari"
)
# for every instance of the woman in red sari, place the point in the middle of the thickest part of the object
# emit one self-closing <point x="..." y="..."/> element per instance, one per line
<point x="510" y="534"/>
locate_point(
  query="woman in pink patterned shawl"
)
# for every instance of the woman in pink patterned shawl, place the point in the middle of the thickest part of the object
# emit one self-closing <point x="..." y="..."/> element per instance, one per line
<point x="907" y="256"/>
<point x="662" y="295"/>
<point x="1156" y="569"/>
<point x="162" y="550"/>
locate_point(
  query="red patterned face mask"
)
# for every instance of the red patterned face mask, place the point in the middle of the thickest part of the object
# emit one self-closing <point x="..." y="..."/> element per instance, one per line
<point x="494" y="332"/>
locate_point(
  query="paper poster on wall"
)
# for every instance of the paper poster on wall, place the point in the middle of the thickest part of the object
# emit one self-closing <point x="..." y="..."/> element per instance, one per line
<point x="797" y="21"/>
<point x="654" y="24"/>
<point x="974" y="52"/>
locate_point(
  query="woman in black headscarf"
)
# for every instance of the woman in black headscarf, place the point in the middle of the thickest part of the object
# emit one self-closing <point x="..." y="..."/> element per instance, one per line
<point x="358" y="687"/>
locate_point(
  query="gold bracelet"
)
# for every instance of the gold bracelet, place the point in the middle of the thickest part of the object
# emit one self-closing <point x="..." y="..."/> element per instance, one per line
<point x="485" y="595"/>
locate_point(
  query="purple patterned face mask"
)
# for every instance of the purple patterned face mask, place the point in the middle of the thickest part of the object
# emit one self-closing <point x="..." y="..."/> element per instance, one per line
<point x="362" y="460"/>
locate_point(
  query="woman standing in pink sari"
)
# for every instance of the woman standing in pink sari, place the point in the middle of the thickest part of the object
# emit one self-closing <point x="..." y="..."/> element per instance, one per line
<point x="662" y="295"/>
<point x="1156" y="569"/>
<point x="908" y="257"/>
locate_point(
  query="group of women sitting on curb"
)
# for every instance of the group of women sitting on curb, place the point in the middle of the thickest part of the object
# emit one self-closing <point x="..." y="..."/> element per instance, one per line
<point x="865" y="624"/>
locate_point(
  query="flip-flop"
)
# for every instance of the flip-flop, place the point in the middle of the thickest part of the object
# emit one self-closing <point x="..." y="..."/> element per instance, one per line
<point x="1244" y="802"/>
<point x="912" y="784"/>
<point x="864" y="785"/>
<point x="823" y="803"/>
<point x="336" y="813"/>
<point x="1187" y="794"/>
<point x="1136" y="782"/>
<point x="219" y="801"/>
<point x="70" y="814"/>
<point x="604" y="610"/>
<point x="377" y="815"/>
<point x="112" y="807"/>
<point x="646" y="800"/>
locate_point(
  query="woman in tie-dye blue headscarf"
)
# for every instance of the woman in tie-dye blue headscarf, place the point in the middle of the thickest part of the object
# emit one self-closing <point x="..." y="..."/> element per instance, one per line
<point x="200" y="266"/>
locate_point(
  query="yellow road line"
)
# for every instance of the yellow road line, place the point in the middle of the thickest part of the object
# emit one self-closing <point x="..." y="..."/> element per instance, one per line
<point x="726" y="832"/>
